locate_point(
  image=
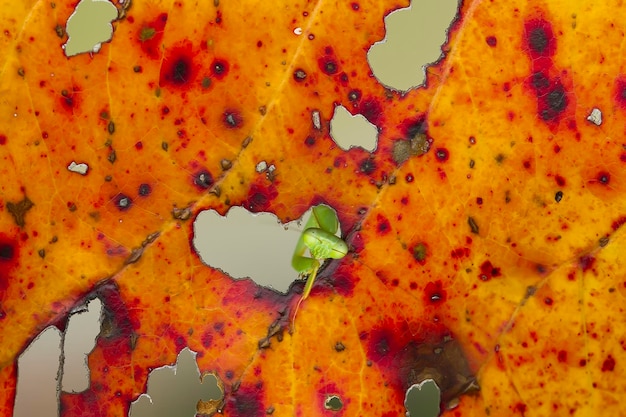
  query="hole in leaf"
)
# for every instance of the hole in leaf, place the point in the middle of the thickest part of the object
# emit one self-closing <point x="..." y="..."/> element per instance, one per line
<point x="89" y="26"/>
<point x="423" y="399"/>
<point x="244" y="244"/>
<point x="179" y="390"/>
<point x="413" y="36"/>
<point x="333" y="403"/>
<point x="352" y="131"/>
<point x="80" y="338"/>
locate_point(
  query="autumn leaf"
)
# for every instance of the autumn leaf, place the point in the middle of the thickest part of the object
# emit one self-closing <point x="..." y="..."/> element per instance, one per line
<point x="485" y="230"/>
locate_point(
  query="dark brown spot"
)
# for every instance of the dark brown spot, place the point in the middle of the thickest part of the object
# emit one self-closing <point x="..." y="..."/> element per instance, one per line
<point x="552" y="102"/>
<point x="354" y="95"/>
<point x="299" y="75"/>
<point x="203" y="180"/>
<point x="558" y="196"/>
<point x="539" y="81"/>
<point x="219" y="68"/>
<point x="180" y="71"/>
<point x="442" y="154"/>
<point x="434" y="293"/>
<point x="419" y="252"/>
<point x="123" y="202"/>
<point x="557" y="100"/>
<point x="604" y="177"/>
<point x="328" y="65"/>
<point x="367" y="166"/>
<point x="6" y="252"/>
<point x="383" y="225"/>
<point x="232" y="119"/>
<point x="18" y="210"/>
<point x="473" y="225"/>
<point x="60" y="30"/>
<point x="145" y="190"/>
<point x="538" y="40"/>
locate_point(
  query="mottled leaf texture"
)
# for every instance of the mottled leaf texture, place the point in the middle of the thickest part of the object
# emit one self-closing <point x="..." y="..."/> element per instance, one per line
<point x="486" y="230"/>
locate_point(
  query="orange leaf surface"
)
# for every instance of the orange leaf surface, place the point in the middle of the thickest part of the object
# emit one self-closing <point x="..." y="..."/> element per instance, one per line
<point x="492" y="261"/>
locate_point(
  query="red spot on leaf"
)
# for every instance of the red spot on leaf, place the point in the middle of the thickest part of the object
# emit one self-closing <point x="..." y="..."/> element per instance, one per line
<point x="620" y="92"/>
<point x="488" y="271"/>
<point x="342" y="282"/>
<point x="552" y="101"/>
<point x="367" y="166"/>
<point x="539" y="40"/>
<point x="115" y="343"/>
<point x="434" y="293"/>
<point x="442" y="154"/>
<point x="70" y="99"/>
<point x="383" y="225"/>
<point x="328" y="65"/>
<point x="520" y="408"/>
<point x="371" y="109"/>
<point x="247" y="401"/>
<point x="179" y="69"/>
<point x="414" y="126"/>
<point x="150" y="36"/>
<point x="260" y="198"/>
<point x="603" y="178"/>
<point x="219" y="68"/>
<point x="586" y="262"/>
<point x="609" y="364"/>
<point x="399" y="352"/>
<point x="618" y="223"/>
<point x="560" y="181"/>
<point x="459" y="253"/>
<point x="3" y="139"/>
<point x="8" y="260"/>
